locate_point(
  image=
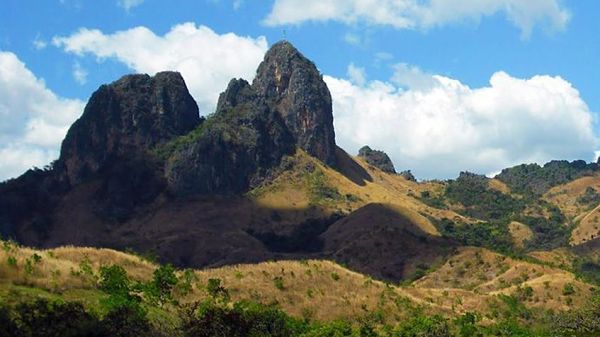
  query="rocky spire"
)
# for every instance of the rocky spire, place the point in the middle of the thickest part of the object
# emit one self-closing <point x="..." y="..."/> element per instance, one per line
<point x="377" y="158"/>
<point x="132" y="114"/>
<point x="292" y="85"/>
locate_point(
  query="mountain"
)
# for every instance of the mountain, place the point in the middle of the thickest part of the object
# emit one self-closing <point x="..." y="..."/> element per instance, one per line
<point x="261" y="178"/>
<point x="259" y="199"/>
<point x="140" y="169"/>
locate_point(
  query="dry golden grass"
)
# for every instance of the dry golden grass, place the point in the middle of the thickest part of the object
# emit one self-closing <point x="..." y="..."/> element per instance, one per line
<point x="560" y="257"/>
<point x="469" y="281"/>
<point x="499" y="186"/>
<point x="588" y="227"/>
<point x="566" y="197"/>
<point x="290" y="191"/>
<point x="317" y="289"/>
<point x="64" y="268"/>
<point x="519" y="233"/>
<point x="487" y="273"/>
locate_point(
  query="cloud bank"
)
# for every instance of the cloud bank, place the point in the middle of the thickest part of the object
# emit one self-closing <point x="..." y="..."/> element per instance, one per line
<point x="206" y="59"/>
<point x="437" y="126"/>
<point x="33" y="120"/>
<point x="417" y="14"/>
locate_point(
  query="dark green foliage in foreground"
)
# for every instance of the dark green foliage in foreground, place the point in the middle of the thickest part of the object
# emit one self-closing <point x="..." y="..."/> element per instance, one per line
<point x="243" y="319"/>
<point x="213" y="319"/>
<point x="218" y="317"/>
<point x="163" y="282"/>
<point x="43" y="318"/>
<point x="114" y="282"/>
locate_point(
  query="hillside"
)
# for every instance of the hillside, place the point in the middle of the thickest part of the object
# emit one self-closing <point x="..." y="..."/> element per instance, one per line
<point x="262" y="212"/>
<point x="472" y="280"/>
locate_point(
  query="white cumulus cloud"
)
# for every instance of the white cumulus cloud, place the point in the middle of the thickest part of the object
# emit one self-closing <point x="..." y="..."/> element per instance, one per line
<point x="33" y="120"/>
<point x="418" y="14"/>
<point x="438" y="126"/>
<point x="206" y="59"/>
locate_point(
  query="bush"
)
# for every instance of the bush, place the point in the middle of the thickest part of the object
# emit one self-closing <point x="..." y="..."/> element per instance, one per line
<point x="568" y="289"/>
<point x="9" y="328"/>
<point x="114" y="281"/>
<point x="163" y="282"/>
<point x="331" y="329"/>
<point x="424" y="326"/>
<point x="243" y="319"/>
<point x="43" y="318"/>
<point x="215" y="289"/>
<point x="126" y="322"/>
<point x="278" y="281"/>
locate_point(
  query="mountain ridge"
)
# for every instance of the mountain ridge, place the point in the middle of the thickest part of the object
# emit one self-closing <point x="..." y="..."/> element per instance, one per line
<point x="262" y="178"/>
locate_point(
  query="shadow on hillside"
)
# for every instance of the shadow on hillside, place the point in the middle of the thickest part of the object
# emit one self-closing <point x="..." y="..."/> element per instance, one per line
<point x="351" y="169"/>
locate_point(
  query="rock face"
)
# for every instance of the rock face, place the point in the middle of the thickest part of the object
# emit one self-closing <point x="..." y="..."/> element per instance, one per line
<point x="292" y="86"/>
<point x="234" y="149"/>
<point x="377" y="158"/>
<point x="130" y="115"/>
<point x="254" y="126"/>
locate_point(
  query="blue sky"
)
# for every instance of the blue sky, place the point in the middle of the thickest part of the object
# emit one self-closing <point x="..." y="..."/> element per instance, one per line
<point x="440" y="85"/>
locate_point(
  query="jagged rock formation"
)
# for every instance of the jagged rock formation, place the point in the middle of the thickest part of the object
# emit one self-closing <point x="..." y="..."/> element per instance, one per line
<point x="292" y="85"/>
<point x="140" y="169"/>
<point x="254" y="126"/>
<point x="128" y="116"/>
<point x="377" y="158"/>
<point x="234" y="149"/>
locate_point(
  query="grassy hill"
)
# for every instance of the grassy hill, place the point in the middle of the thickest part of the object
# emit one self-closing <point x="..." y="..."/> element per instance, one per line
<point x="473" y="281"/>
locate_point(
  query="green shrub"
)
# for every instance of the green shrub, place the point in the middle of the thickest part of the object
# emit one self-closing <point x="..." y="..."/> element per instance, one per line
<point x="568" y="289"/>
<point x="216" y="290"/>
<point x="126" y="321"/>
<point x="11" y="261"/>
<point x="163" y="282"/>
<point x="423" y="326"/>
<point x="43" y="318"/>
<point x="243" y="319"/>
<point x="278" y="282"/>
<point x="114" y="280"/>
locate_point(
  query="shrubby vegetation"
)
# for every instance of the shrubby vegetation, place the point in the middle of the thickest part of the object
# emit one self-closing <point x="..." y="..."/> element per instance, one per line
<point x="480" y="201"/>
<point x="532" y="179"/>
<point x="497" y="209"/>
<point x="492" y="235"/>
<point x="590" y="197"/>
<point x="130" y="302"/>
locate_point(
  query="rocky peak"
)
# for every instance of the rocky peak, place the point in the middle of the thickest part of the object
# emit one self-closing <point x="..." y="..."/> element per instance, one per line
<point x="238" y="92"/>
<point x="292" y="85"/>
<point x="377" y="158"/>
<point x="130" y="115"/>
